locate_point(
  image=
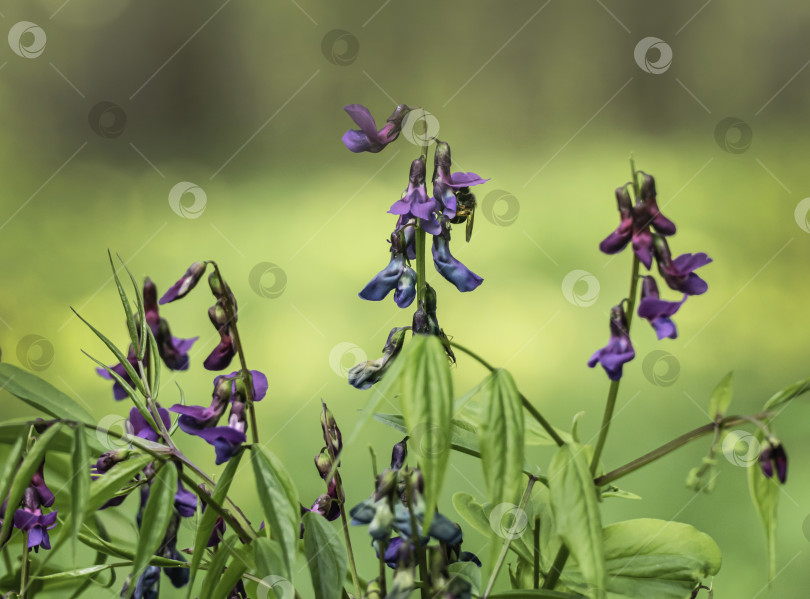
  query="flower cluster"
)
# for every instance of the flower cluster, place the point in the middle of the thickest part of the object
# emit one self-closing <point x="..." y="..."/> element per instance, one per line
<point x="396" y="504"/>
<point x="173" y="350"/>
<point x="644" y="227"/>
<point x="328" y="504"/>
<point x="29" y="517"/>
<point x="417" y="212"/>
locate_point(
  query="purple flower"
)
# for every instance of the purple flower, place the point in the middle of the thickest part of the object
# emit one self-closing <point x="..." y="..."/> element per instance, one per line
<point x="367" y="138"/>
<point x="678" y="273"/>
<point x="658" y="311"/>
<point x="619" y="350"/>
<point x="636" y="221"/>
<point x="221" y="357"/>
<point x="415" y="202"/>
<point x="36" y="524"/>
<point x="450" y="268"/>
<point x="445" y="184"/>
<point x="140" y="428"/>
<point x="185" y="284"/>
<point x="185" y="501"/>
<point x="173" y="350"/>
<point x="773" y="455"/>
<point x="396" y="276"/>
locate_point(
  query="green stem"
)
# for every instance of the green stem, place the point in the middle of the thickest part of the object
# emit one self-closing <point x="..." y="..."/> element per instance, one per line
<point x="345" y="523"/>
<point x="556" y="568"/>
<point x="230" y="314"/>
<point x="381" y="578"/>
<point x="537" y="552"/>
<point x="505" y="548"/>
<point x="418" y="549"/>
<point x="526" y="404"/>
<point x="677" y="443"/>
<point x="420" y="265"/>
<point x="25" y="568"/>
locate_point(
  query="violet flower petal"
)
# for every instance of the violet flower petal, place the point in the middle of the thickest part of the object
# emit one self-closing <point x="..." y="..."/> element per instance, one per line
<point x="451" y="269"/>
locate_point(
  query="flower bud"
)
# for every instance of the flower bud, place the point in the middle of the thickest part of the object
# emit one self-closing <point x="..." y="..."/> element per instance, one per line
<point x="110" y="458"/>
<point x="380" y="526"/>
<point x="331" y="432"/>
<point x="399" y="454"/>
<point x="186" y="283"/>
<point x="323" y="463"/>
<point x="217" y="315"/>
<point x="218" y="287"/>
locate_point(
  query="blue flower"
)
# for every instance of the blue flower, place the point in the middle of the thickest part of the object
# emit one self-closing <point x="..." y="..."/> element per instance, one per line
<point x="619" y="350"/>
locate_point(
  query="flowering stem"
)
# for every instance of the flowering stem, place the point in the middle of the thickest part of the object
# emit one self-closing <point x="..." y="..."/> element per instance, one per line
<point x="345" y="522"/>
<point x="528" y="406"/>
<point x="381" y="579"/>
<point x="418" y="549"/>
<point x="505" y="549"/>
<point x="25" y="566"/>
<point x="230" y="314"/>
<point x="677" y="443"/>
<point x="420" y="264"/>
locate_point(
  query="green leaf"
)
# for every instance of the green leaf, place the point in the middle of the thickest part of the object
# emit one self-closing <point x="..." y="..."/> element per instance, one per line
<point x="108" y="484"/>
<point x="79" y="573"/>
<point x="654" y="558"/>
<point x="613" y="491"/>
<point x="215" y="566"/>
<point x="23" y="475"/>
<point x="721" y="398"/>
<point x="156" y="517"/>
<point x="79" y="481"/>
<point x="133" y="331"/>
<point x="139" y="304"/>
<point x="466" y="571"/>
<point x="12" y="463"/>
<point x="427" y="405"/>
<point x="576" y="513"/>
<point x="40" y="394"/>
<point x="765" y="497"/>
<point x="116" y="550"/>
<point x="238" y="565"/>
<point x="157" y="365"/>
<point x="463" y="435"/>
<point x="536" y="594"/>
<point x="268" y="557"/>
<point x="279" y="500"/>
<point x="788" y="393"/>
<point x="326" y="556"/>
<point x="501" y="438"/>
<point x="209" y="518"/>
<point x="575" y="426"/>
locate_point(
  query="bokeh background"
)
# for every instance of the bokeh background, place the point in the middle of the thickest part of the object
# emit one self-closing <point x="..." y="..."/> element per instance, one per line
<point x="112" y="109"/>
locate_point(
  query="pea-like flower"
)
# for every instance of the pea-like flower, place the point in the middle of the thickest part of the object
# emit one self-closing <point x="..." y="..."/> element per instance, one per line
<point x="29" y="518"/>
<point x="185" y="284"/>
<point x="773" y="456"/>
<point x="173" y="350"/>
<point x="450" y="268"/>
<point x="368" y="138"/>
<point x="366" y="374"/>
<point x="415" y="201"/>
<point x="619" y="350"/>
<point x="679" y="273"/>
<point x="446" y="185"/>
<point x="396" y="276"/>
<point x="658" y="311"/>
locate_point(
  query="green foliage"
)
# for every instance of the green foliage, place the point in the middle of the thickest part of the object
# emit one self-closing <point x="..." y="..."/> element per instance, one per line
<point x="41" y="395"/>
<point x="721" y="397"/>
<point x="106" y="486"/>
<point x="765" y="497"/>
<point x="788" y="393"/>
<point x="326" y="556"/>
<point x="79" y="481"/>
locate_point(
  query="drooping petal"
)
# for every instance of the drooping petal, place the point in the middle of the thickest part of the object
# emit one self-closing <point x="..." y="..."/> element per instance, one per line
<point x="140" y="428"/>
<point x="362" y="118"/>
<point x="221" y="357"/>
<point x="618" y="240"/>
<point x="422" y="205"/>
<point x="465" y="180"/>
<point x="226" y="441"/>
<point x="642" y="246"/>
<point x="451" y="269"/>
<point x="385" y="281"/>
<point x="406" y="288"/>
<point x="185" y="502"/>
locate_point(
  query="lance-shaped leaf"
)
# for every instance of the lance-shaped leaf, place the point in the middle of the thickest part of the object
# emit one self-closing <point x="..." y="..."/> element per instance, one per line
<point x="12" y="463"/>
<point x="788" y="393"/>
<point x="24" y="474"/>
<point x="279" y="499"/>
<point x="765" y="497"/>
<point x="500" y="438"/>
<point x="209" y="518"/>
<point x="132" y="327"/>
<point x="721" y="398"/>
<point x="156" y="516"/>
<point x="326" y="556"/>
<point x="647" y="558"/>
<point x="40" y="394"/>
<point x="427" y="405"/>
<point x="79" y="482"/>
<point x="240" y="562"/>
<point x="576" y="514"/>
<point x="216" y="565"/>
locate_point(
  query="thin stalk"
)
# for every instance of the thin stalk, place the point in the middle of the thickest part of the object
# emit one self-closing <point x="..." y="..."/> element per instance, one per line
<point x="505" y="548"/>
<point x="230" y="314"/>
<point x="677" y="443"/>
<point x="418" y="549"/>
<point x="420" y="264"/>
<point x="526" y="404"/>
<point x="556" y="568"/>
<point x="25" y="568"/>
<point x="381" y="578"/>
<point x="537" y="552"/>
<point x="345" y="523"/>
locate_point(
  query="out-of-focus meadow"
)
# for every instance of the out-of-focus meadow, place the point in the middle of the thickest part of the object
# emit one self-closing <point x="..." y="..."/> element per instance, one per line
<point x="548" y="99"/>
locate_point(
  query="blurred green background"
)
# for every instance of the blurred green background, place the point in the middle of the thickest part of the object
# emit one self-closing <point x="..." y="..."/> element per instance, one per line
<point x="548" y="99"/>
